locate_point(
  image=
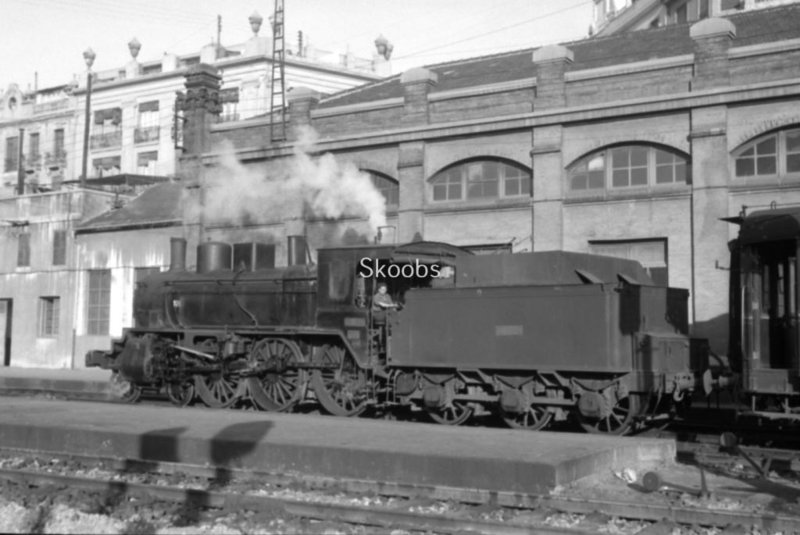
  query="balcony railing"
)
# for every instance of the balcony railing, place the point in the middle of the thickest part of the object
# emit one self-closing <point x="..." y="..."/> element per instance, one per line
<point x="104" y="141"/>
<point x="46" y="107"/>
<point x="144" y="135"/>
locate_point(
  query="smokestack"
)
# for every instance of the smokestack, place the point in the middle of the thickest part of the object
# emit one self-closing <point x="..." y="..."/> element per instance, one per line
<point x="296" y="250"/>
<point x="177" y="254"/>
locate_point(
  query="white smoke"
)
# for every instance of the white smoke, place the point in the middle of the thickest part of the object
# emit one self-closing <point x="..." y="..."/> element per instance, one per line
<point x="304" y="185"/>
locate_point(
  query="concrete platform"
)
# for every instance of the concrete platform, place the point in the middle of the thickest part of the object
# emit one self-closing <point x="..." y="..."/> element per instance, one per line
<point x="91" y="383"/>
<point x="414" y="453"/>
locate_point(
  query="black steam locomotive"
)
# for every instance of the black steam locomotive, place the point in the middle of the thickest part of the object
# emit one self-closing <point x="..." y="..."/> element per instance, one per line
<point x="534" y="337"/>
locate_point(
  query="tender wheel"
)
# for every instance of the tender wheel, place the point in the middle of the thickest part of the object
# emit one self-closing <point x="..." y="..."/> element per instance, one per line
<point x="217" y="391"/>
<point x="181" y="394"/>
<point x="617" y="422"/>
<point x="283" y="387"/>
<point x="342" y="391"/>
<point x="125" y="390"/>
<point x="455" y="413"/>
<point x="534" y="418"/>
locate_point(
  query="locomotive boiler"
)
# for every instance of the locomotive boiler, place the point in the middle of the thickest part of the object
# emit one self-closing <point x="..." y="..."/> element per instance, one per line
<point x="533" y="337"/>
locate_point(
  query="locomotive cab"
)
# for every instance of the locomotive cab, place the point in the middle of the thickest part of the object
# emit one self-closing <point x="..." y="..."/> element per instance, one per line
<point x="349" y="278"/>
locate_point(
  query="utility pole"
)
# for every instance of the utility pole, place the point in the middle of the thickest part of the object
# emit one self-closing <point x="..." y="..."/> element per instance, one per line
<point x="219" y="36"/>
<point x="277" y="126"/>
<point x="88" y="57"/>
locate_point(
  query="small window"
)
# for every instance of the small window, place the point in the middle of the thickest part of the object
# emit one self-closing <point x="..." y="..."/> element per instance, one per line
<point x="98" y="302"/>
<point x="58" y="142"/>
<point x="628" y="166"/>
<point x="48" y="316"/>
<point x="340" y="278"/>
<point x="12" y="154"/>
<point x="482" y="179"/>
<point x="24" y="250"/>
<point x="389" y="188"/>
<point x="773" y="155"/>
<point x="59" y="247"/>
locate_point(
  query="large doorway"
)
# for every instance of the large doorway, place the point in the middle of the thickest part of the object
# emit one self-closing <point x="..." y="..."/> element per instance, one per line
<point x="6" y="312"/>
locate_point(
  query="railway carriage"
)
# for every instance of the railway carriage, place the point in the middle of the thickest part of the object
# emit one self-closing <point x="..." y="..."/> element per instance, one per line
<point x="764" y="296"/>
<point x="534" y="337"/>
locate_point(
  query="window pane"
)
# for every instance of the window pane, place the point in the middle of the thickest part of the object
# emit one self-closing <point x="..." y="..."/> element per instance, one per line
<point x="680" y="172"/>
<point x="793" y="141"/>
<point x="663" y="157"/>
<point x="663" y="174"/>
<point x="525" y="186"/>
<point x="620" y="178"/>
<point x="793" y="163"/>
<point x="766" y="166"/>
<point x="597" y="179"/>
<point x="439" y="192"/>
<point x="579" y="182"/>
<point x="767" y="146"/>
<point x="745" y="167"/>
<point x="639" y="176"/>
<point x="59" y="247"/>
<point x="638" y="156"/>
<point x="619" y="158"/>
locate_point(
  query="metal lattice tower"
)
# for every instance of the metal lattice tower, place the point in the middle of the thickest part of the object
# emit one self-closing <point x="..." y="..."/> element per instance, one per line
<point x="277" y="124"/>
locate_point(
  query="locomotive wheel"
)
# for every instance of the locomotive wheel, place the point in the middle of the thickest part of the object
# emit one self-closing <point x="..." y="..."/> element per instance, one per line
<point x="277" y="390"/>
<point x="340" y="391"/>
<point x="455" y="413"/>
<point x="217" y="391"/>
<point x="618" y="422"/>
<point x="181" y="394"/>
<point x="535" y="417"/>
<point x="125" y="390"/>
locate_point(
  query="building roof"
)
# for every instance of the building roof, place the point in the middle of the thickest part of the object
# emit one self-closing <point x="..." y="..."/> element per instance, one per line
<point x="752" y="27"/>
<point x="158" y="206"/>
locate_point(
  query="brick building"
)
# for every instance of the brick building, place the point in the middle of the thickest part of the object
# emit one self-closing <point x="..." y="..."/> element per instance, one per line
<point x="632" y="145"/>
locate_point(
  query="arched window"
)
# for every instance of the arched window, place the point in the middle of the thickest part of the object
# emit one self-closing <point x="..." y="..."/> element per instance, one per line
<point x="481" y="179"/>
<point x="774" y="154"/>
<point x="389" y="188"/>
<point x="626" y="167"/>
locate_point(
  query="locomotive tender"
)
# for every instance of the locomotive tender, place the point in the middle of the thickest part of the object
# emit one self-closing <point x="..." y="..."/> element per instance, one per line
<point x="535" y="337"/>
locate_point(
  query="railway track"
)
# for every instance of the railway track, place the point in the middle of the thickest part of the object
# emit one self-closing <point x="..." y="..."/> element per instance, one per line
<point x="372" y="504"/>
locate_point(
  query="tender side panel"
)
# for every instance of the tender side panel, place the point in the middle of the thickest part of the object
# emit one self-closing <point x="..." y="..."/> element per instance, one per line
<point x="543" y="328"/>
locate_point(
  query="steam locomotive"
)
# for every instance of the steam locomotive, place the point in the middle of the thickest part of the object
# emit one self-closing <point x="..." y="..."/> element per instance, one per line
<point x="534" y="337"/>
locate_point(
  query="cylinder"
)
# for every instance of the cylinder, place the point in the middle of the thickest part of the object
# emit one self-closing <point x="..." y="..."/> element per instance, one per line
<point x="213" y="256"/>
<point x="177" y="254"/>
<point x="296" y="250"/>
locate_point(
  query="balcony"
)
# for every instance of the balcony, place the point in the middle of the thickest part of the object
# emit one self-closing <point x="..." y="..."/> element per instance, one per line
<point x="106" y="141"/>
<point x="56" y="159"/>
<point x="49" y="107"/>
<point x="146" y="135"/>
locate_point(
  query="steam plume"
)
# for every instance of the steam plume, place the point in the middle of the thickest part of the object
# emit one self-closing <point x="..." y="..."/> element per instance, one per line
<point x="320" y="185"/>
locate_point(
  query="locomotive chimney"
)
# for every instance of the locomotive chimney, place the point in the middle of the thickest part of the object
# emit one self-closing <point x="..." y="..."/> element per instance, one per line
<point x="296" y="250"/>
<point x="177" y="254"/>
